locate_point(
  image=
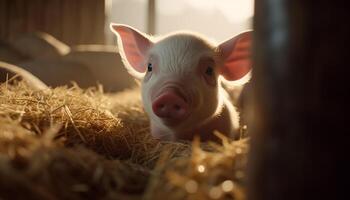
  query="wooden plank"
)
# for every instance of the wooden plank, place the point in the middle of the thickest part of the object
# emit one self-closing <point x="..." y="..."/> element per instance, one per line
<point x="72" y="21"/>
<point x="52" y="14"/>
<point x="3" y="18"/>
<point x="36" y="17"/>
<point x="99" y="18"/>
<point x="86" y="20"/>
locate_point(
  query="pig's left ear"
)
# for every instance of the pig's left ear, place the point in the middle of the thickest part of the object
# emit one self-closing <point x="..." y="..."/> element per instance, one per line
<point x="133" y="48"/>
<point x="236" y="56"/>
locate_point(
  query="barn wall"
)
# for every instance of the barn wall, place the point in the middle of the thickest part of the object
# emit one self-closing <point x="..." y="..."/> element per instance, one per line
<point x="71" y="21"/>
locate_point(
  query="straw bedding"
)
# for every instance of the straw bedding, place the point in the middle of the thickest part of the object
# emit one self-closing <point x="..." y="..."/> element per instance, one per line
<point x="69" y="143"/>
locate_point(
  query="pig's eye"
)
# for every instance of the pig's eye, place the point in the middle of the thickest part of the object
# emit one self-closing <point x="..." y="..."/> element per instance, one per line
<point x="209" y="71"/>
<point x="149" y="67"/>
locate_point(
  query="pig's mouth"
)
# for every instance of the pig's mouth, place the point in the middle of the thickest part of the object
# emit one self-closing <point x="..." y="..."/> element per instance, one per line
<point x="171" y="105"/>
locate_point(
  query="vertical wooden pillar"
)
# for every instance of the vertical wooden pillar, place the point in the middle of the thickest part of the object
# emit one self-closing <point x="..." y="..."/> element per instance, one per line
<point x="151" y="17"/>
<point x="301" y="88"/>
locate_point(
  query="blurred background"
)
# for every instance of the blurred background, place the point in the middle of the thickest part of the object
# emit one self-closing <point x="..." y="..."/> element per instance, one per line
<point x="61" y="41"/>
<point x="218" y="19"/>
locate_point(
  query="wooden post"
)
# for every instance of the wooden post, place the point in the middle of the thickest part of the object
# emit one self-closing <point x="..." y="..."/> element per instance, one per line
<point x="151" y="17"/>
<point x="301" y="100"/>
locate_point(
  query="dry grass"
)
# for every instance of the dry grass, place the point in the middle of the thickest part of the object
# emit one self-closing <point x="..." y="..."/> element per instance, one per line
<point x="69" y="143"/>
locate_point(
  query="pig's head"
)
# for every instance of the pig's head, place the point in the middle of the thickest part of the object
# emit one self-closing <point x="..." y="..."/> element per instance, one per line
<point x="180" y="74"/>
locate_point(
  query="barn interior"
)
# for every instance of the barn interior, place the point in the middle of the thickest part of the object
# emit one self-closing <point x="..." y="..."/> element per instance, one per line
<point x="72" y="124"/>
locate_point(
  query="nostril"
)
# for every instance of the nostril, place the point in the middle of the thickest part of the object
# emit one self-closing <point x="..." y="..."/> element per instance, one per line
<point x="177" y="107"/>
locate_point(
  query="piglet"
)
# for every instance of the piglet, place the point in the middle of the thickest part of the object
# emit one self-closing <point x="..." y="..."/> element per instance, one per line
<point x="181" y="80"/>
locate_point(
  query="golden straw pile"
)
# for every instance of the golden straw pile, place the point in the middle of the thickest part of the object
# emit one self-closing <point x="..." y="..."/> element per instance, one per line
<point x="69" y="143"/>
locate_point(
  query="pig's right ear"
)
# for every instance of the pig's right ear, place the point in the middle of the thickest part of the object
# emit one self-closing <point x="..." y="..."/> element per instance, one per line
<point x="133" y="47"/>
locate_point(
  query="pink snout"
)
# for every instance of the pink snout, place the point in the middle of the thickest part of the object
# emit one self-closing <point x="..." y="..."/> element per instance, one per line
<point x="170" y="106"/>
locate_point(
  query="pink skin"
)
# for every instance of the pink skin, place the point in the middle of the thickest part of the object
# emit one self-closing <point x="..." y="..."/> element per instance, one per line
<point x="170" y="105"/>
<point x="181" y="85"/>
<point x="221" y="123"/>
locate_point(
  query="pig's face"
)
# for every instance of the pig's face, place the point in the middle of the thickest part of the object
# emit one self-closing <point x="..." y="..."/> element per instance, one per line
<point x="180" y="87"/>
<point x="180" y="74"/>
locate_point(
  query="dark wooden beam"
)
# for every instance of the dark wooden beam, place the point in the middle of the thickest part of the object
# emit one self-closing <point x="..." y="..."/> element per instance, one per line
<point x="301" y="97"/>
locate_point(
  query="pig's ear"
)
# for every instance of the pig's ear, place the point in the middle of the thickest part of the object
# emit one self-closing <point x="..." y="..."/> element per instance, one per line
<point x="236" y="56"/>
<point x="133" y="47"/>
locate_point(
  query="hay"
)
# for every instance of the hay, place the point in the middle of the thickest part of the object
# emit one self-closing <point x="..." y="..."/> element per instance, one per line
<point x="69" y="143"/>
